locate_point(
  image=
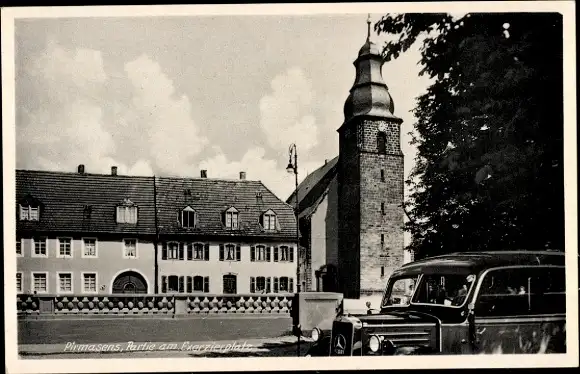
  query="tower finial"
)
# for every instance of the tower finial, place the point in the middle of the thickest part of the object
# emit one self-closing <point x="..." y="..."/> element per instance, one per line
<point x="369" y="27"/>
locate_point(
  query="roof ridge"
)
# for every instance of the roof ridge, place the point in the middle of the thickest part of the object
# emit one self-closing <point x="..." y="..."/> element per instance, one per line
<point x="157" y="176"/>
<point x="57" y="172"/>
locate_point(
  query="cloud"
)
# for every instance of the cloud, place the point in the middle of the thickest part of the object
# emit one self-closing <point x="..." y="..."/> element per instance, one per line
<point x="257" y="167"/>
<point x="63" y="123"/>
<point x="167" y="131"/>
<point x="284" y="113"/>
<point x="78" y="114"/>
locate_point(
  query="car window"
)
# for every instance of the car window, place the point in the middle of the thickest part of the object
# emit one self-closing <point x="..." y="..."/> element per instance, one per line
<point x="443" y="289"/>
<point x="400" y="291"/>
<point x="522" y="291"/>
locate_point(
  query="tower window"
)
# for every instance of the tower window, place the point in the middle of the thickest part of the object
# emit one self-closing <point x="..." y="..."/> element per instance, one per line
<point x="383" y="208"/>
<point x="382" y="175"/>
<point x="382" y="271"/>
<point x="382" y="238"/>
<point x="382" y="143"/>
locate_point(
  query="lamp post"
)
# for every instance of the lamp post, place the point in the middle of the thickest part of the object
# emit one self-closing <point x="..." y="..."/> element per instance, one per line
<point x="293" y="168"/>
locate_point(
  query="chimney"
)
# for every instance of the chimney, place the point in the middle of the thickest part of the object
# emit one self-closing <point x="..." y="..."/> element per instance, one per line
<point x="204" y="173"/>
<point x="325" y="161"/>
<point x="113" y="170"/>
<point x="242" y="175"/>
<point x="81" y="169"/>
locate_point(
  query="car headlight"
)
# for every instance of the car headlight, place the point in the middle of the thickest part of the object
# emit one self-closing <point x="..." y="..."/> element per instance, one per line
<point x="315" y="334"/>
<point x="374" y="343"/>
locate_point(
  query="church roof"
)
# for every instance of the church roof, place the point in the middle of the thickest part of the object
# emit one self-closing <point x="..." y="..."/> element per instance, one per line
<point x="313" y="187"/>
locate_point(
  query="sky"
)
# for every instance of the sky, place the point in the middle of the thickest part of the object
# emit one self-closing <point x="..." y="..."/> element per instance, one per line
<point x="174" y="95"/>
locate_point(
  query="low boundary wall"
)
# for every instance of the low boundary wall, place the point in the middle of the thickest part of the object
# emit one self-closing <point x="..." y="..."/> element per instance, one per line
<point x="146" y="304"/>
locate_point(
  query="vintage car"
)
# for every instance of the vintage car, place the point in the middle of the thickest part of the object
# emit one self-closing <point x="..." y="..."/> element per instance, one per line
<point x="460" y="303"/>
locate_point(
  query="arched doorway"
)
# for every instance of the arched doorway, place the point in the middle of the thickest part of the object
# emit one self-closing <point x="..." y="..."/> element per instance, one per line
<point x="327" y="278"/>
<point x="130" y="282"/>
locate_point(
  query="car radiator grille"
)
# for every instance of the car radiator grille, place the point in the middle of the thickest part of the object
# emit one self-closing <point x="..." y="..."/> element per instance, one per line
<point x="341" y="339"/>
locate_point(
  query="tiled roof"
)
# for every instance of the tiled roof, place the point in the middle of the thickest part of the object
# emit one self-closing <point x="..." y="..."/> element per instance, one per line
<point x="211" y="197"/>
<point x="64" y="196"/>
<point x="314" y="186"/>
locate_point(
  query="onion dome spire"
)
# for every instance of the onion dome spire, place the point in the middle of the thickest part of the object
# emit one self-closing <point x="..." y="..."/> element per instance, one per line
<point x="369" y="95"/>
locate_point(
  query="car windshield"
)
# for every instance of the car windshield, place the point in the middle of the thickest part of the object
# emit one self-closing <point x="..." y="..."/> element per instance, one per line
<point x="400" y="291"/>
<point x="443" y="289"/>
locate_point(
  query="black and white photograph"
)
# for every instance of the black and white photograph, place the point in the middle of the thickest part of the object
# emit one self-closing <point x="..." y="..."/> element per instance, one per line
<point x="299" y="183"/>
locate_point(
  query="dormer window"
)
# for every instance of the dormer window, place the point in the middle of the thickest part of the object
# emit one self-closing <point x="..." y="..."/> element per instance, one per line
<point x="187" y="217"/>
<point x="29" y="213"/>
<point x="127" y="212"/>
<point x="232" y="218"/>
<point x="29" y="208"/>
<point x="269" y="221"/>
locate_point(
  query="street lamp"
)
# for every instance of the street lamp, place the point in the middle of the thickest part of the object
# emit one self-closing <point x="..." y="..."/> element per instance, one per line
<point x="293" y="168"/>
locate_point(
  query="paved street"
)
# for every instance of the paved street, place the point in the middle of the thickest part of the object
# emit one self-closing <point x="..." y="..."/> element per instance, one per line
<point x="150" y="330"/>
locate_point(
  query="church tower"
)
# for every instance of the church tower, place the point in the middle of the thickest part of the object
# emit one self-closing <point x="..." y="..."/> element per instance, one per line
<point x="370" y="181"/>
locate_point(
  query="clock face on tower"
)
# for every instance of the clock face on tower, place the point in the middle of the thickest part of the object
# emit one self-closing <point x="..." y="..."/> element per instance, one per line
<point x="382" y="127"/>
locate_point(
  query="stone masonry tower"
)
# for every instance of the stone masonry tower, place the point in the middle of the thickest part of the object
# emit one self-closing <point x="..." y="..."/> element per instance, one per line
<point x="370" y="181"/>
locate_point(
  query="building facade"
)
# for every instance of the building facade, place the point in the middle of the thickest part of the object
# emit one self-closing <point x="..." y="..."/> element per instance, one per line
<point x="350" y="210"/>
<point x="80" y="233"/>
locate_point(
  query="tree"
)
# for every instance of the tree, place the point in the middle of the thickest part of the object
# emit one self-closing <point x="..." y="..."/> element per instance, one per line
<point x="489" y="133"/>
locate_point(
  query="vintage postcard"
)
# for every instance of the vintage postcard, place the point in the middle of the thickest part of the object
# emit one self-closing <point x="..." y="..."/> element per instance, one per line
<point x="291" y="186"/>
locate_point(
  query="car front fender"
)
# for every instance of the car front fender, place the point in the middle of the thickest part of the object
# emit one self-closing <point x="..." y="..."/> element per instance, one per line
<point x="320" y="348"/>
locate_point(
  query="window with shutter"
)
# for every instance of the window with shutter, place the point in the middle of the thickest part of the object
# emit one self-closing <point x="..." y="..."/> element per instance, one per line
<point x="291" y="286"/>
<point x="181" y="284"/>
<point x="284" y="255"/>
<point x="163" y="284"/>
<point x="181" y="251"/>
<point x="261" y="284"/>
<point x="276" y="254"/>
<point x="268" y="251"/>
<point x="291" y="254"/>
<point x="164" y="251"/>
<point x="172" y="283"/>
<point x="283" y="286"/>
<point x="261" y="253"/>
<point x="268" y="285"/>
<point x="206" y="252"/>
<point x="252" y="253"/>
<point x="172" y="251"/>
<point x="230" y="252"/>
<point x="189" y="251"/>
<point x="206" y="284"/>
<point x="275" y="284"/>
<point x="252" y="285"/>
<point x="189" y="284"/>
<point x="199" y="251"/>
<point x="198" y="283"/>
<point x="238" y="253"/>
<point x="221" y="252"/>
